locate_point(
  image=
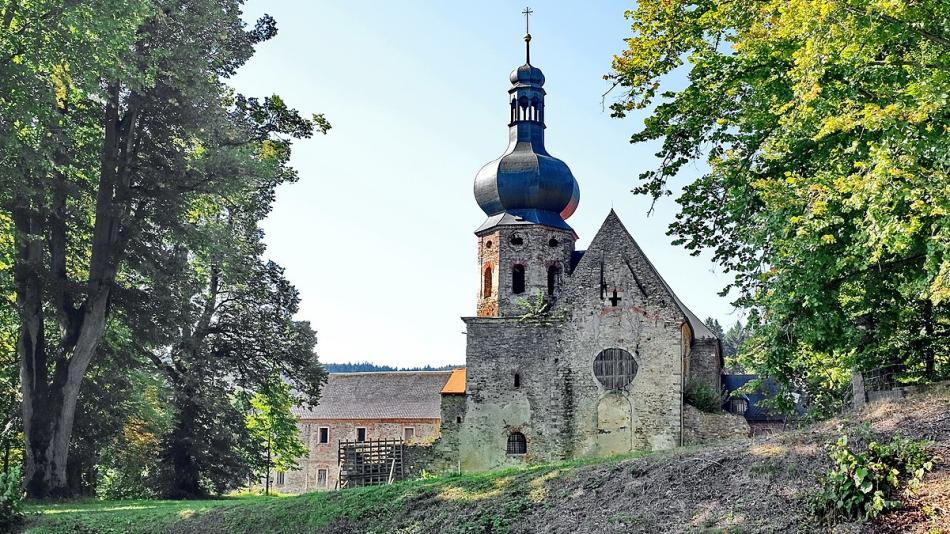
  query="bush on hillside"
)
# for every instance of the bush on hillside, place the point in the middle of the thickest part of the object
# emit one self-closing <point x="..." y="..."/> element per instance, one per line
<point x="703" y="397"/>
<point x="11" y="499"/>
<point x="863" y="484"/>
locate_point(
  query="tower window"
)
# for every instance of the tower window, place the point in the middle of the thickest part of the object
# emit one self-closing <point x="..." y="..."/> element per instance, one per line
<point x="486" y="283"/>
<point x="516" y="240"/>
<point x="553" y="243"/>
<point x="517" y="279"/>
<point x="488" y="243"/>
<point x="360" y="434"/>
<point x="554" y="278"/>
<point x="324" y="434"/>
<point x="517" y="380"/>
<point x="517" y="444"/>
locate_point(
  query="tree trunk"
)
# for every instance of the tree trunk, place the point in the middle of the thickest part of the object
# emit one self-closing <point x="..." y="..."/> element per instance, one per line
<point x="50" y="408"/>
<point x="185" y="480"/>
<point x="49" y="402"/>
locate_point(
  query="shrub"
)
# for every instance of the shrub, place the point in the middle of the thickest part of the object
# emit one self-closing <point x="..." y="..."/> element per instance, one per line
<point x="703" y="397"/>
<point x="863" y="484"/>
<point x="11" y="499"/>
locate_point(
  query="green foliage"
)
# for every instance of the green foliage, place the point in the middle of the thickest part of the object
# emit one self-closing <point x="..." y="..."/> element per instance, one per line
<point x="272" y="424"/>
<point x="714" y="325"/>
<point x="703" y="397"/>
<point x="823" y="126"/>
<point x="862" y="484"/>
<point x="11" y="499"/>
<point x="537" y="310"/>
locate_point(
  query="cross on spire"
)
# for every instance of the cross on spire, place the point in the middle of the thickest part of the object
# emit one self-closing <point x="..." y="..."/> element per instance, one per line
<point x="527" y="34"/>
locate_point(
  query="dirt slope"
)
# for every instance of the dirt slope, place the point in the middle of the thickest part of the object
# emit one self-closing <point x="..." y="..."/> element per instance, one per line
<point x="748" y="486"/>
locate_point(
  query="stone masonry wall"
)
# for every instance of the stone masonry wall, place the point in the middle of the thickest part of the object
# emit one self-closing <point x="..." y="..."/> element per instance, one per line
<point x="700" y="427"/>
<point x="536" y="248"/>
<point x="705" y="365"/>
<point x="488" y="275"/>
<point x="613" y="299"/>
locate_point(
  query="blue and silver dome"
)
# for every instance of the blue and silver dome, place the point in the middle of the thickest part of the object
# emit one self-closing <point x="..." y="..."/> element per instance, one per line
<point x="526" y="185"/>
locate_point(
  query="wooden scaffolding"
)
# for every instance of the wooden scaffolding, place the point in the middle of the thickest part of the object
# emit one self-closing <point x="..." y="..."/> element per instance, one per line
<point x="368" y="463"/>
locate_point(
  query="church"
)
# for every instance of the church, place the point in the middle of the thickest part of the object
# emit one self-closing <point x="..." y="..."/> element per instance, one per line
<point x="570" y="353"/>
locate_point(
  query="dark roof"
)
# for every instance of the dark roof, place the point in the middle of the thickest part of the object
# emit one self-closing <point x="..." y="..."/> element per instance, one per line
<point x="392" y="395"/>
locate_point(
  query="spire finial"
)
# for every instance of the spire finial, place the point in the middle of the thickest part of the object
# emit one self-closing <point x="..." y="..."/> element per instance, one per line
<point x="527" y="34"/>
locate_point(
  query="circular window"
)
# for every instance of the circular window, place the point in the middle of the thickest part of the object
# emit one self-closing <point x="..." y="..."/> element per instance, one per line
<point x="553" y="243"/>
<point x="488" y="244"/>
<point x="615" y="368"/>
<point x="517" y="240"/>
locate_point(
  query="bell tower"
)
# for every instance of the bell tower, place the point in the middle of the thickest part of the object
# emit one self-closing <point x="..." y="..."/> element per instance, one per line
<point x="525" y="244"/>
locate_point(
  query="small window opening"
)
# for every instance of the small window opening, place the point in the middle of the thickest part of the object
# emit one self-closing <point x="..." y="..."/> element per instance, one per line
<point x="360" y="434"/>
<point x="517" y="444"/>
<point x="517" y="279"/>
<point x="458" y="419"/>
<point x="488" y="244"/>
<point x="321" y="478"/>
<point x="280" y="478"/>
<point x="738" y="405"/>
<point x="553" y="243"/>
<point x="517" y="380"/>
<point x="324" y="434"/>
<point x="517" y="240"/>
<point x="408" y="433"/>
<point x="554" y="279"/>
<point x="486" y="284"/>
<point x="614" y="299"/>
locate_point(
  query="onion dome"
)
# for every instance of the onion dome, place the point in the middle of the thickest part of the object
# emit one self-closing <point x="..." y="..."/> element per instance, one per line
<point x="526" y="185"/>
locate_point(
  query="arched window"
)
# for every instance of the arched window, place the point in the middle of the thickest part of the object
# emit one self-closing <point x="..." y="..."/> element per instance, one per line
<point x="517" y="444"/>
<point x="517" y="380"/>
<point x="517" y="279"/>
<point x="486" y="282"/>
<point x="554" y="278"/>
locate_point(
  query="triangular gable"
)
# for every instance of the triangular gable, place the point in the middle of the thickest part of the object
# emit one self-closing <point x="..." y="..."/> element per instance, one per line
<point x="610" y="231"/>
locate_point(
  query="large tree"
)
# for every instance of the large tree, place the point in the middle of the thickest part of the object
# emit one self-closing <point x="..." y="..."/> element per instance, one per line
<point x="111" y="114"/>
<point x="824" y="126"/>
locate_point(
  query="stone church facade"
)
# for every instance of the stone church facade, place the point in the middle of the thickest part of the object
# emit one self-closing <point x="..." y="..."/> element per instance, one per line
<point x="571" y="353"/>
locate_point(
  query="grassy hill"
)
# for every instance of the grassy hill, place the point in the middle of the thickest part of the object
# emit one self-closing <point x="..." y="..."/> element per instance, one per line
<point x="743" y="486"/>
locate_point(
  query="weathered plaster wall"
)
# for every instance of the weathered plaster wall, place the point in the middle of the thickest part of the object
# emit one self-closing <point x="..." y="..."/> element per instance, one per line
<point x="324" y="455"/>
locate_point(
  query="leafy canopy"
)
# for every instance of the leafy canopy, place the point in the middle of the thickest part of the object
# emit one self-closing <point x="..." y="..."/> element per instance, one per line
<point x="824" y="127"/>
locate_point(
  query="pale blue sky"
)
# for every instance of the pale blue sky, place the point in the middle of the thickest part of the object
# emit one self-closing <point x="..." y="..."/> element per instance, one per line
<point x="377" y="234"/>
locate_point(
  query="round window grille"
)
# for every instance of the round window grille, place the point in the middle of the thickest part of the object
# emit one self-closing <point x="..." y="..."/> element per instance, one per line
<point x="615" y="368"/>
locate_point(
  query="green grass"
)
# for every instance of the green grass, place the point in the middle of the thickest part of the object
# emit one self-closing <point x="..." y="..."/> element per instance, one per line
<point x="131" y="516"/>
<point x="492" y="500"/>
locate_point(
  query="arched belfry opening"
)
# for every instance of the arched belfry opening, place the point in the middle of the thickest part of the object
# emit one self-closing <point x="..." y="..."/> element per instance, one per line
<point x="487" y="282"/>
<point x="517" y="279"/>
<point x="554" y="279"/>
